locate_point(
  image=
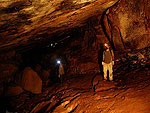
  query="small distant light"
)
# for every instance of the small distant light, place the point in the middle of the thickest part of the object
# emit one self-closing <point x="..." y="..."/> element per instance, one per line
<point x="105" y="44"/>
<point x="51" y="44"/>
<point x="58" y="61"/>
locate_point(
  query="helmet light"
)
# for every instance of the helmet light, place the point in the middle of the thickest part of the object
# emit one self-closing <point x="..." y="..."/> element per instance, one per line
<point x="58" y="62"/>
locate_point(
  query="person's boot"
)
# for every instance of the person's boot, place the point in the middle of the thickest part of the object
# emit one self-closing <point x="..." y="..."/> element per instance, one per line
<point x="105" y="77"/>
<point x="111" y="77"/>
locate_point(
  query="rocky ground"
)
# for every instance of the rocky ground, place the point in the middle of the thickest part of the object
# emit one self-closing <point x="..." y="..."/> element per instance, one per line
<point x="88" y="93"/>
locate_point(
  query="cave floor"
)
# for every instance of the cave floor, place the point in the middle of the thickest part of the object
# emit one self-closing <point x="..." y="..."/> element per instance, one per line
<point x="128" y="93"/>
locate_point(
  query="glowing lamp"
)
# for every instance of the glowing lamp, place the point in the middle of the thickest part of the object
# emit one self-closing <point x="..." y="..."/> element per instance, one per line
<point x="105" y="44"/>
<point x="58" y="61"/>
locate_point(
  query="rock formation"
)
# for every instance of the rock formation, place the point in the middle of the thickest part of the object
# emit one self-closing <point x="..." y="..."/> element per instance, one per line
<point x="27" y="23"/>
<point x="30" y="81"/>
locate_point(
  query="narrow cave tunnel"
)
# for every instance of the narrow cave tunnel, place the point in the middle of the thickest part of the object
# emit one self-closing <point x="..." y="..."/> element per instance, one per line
<point x="52" y="56"/>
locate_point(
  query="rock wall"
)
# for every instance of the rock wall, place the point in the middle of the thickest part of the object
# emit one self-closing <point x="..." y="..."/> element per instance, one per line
<point x="127" y="24"/>
<point x="29" y="23"/>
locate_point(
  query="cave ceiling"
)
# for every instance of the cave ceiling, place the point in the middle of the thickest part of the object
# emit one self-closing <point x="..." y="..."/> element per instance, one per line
<point x="31" y="22"/>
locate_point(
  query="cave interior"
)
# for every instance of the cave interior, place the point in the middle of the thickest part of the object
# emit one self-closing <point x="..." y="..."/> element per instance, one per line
<point x="37" y="37"/>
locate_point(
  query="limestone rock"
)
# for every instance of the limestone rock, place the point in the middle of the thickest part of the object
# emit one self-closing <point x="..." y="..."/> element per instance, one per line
<point x="31" y="81"/>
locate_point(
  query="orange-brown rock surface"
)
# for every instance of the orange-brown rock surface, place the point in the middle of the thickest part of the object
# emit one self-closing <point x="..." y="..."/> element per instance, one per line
<point x="27" y="22"/>
<point x="38" y="32"/>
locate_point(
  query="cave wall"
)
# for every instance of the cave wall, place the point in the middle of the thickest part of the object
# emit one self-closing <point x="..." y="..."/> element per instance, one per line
<point x="127" y="24"/>
<point x="29" y="23"/>
<point x="26" y="23"/>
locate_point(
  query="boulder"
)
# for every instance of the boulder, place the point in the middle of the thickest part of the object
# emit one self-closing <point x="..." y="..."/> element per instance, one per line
<point x="13" y="90"/>
<point x="31" y="81"/>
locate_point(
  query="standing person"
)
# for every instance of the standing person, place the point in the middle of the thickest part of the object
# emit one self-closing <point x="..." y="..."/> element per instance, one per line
<point x="61" y="71"/>
<point x="108" y="62"/>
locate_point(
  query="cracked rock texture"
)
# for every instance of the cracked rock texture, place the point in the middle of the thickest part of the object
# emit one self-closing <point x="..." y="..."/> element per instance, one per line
<point x="128" y="24"/>
<point x="30" y="23"/>
<point x="27" y="22"/>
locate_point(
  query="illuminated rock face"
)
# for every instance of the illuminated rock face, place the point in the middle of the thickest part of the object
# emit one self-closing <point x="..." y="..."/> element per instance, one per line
<point x="30" y="81"/>
<point x="24" y="23"/>
<point x="129" y="24"/>
<point x="30" y="23"/>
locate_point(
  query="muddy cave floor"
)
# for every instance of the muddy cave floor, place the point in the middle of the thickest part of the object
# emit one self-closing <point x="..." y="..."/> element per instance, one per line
<point x="128" y="93"/>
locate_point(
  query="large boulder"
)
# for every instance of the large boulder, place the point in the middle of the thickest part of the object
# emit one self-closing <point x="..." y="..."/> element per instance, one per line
<point x="31" y="81"/>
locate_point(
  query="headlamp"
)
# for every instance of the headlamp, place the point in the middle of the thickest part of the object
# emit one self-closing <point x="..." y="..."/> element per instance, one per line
<point x="58" y="62"/>
<point x="106" y="44"/>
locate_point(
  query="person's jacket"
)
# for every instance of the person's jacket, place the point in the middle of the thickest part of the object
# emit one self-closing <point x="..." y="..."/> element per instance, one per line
<point x="61" y="69"/>
<point x="108" y="56"/>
